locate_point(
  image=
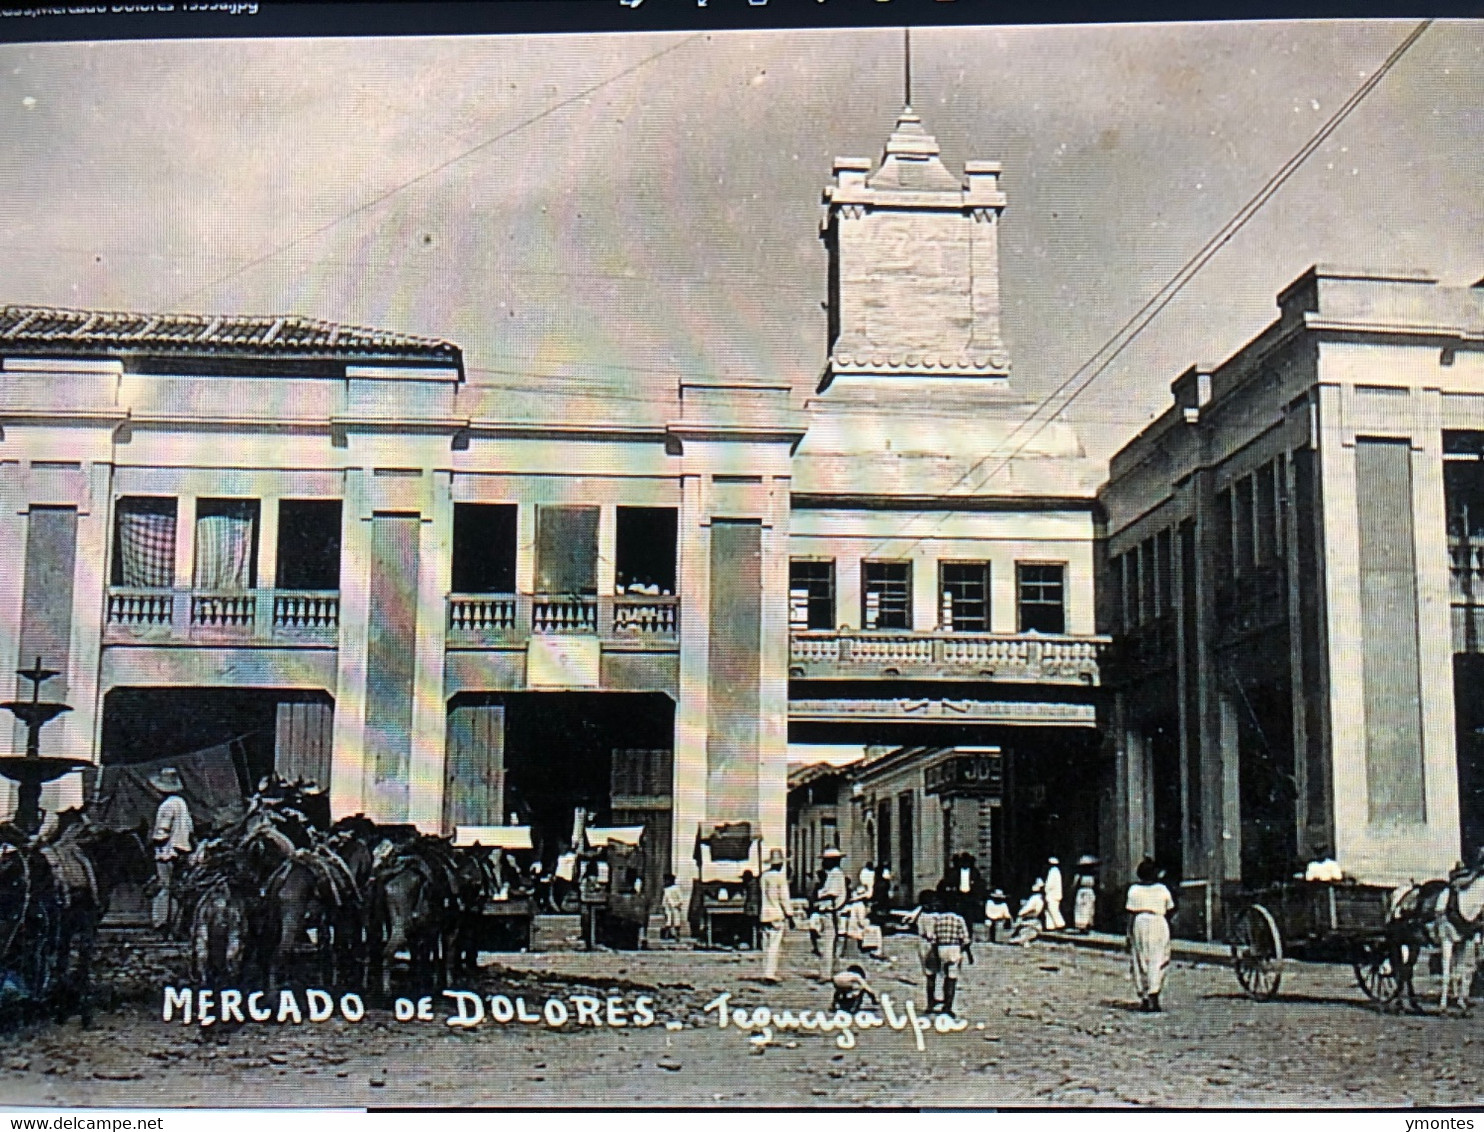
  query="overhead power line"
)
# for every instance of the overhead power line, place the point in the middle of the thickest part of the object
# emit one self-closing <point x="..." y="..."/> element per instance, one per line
<point x="383" y="197"/>
<point x="1081" y="379"/>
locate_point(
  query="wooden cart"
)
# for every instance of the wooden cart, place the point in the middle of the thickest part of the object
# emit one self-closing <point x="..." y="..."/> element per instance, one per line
<point x="506" y="918"/>
<point x="1313" y="921"/>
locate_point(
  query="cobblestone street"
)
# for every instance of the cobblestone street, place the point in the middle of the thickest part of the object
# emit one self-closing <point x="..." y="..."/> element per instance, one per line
<point x="1051" y="1025"/>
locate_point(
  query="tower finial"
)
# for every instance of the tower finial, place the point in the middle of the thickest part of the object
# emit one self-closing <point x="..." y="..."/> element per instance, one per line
<point x="907" y="65"/>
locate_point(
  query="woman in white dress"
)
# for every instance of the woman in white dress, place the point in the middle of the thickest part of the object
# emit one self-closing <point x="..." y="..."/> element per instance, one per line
<point x="1085" y="895"/>
<point x="1149" y="905"/>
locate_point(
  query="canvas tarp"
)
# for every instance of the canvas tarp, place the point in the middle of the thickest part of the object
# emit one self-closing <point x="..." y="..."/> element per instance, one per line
<point x="212" y="790"/>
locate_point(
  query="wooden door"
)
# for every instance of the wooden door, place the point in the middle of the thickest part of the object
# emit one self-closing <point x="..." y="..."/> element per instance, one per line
<point x="474" y="776"/>
<point x="302" y="741"/>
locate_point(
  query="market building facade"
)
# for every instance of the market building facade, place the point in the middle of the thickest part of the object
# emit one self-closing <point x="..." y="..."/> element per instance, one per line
<point x="449" y="602"/>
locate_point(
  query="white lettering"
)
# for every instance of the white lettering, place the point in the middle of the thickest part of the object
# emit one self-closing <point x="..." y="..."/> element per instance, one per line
<point x="643" y="1015"/>
<point x="556" y="1013"/>
<point x="502" y="1008"/>
<point x="719" y="1004"/>
<point x="206" y="1007"/>
<point x="618" y="1015"/>
<point x="352" y="1009"/>
<point x="177" y="1000"/>
<point x="404" y="1010"/>
<point x="252" y="1008"/>
<point x="321" y="1005"/>
<point x="587" y="1009"/>
<point x="288" y="1007"/>
<point x="232" y="1006"/>
<point x="425" y="1009"/>
<point x="471" y="1008"/>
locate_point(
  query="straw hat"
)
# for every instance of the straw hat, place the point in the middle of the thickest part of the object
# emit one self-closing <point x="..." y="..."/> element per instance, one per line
<point x="831" y="855"/>
<point x="1087" y="860"/>
<point x="167" y="781"/>
<point x="775" y="856"/>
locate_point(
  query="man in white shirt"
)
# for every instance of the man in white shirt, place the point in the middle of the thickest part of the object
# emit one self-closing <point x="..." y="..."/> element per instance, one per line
<point x="830" y="899"/>
<point x="776" y="914"/>
<point x="1054" y="920"/>
<point x="171" y="837"/>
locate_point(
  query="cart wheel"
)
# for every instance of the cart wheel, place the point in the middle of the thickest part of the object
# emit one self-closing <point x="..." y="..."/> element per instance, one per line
<point x="1257" y="953"/>
<point x="1376" y="977"/>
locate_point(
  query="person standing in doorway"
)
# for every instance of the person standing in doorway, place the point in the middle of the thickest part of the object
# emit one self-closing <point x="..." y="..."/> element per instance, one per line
<point x="1149" y="905"/>
<point x="1053" y="892"/>
<point x="673" y="905"/>
<point x="775" y="915"/>
<point x="833" y="893"/>
<point x="173" y="831"/>
<point x="1085" y="894"/>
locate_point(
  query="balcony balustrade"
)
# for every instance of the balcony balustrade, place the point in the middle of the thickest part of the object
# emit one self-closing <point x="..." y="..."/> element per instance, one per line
<point x="508" y="620"/>
<point x="1022" y="658"/>
<point x="201" y="617"/>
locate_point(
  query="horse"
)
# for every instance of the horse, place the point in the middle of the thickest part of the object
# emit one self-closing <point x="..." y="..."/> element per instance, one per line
<point x="30" y="920"/>
<point x="86" y="864"/>
<point x="421" y="898"/>
<point x="315" y="889"/>
<point x="1448" y="915"/>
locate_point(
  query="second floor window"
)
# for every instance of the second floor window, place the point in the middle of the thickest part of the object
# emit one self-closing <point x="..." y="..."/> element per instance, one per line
<point x="886" y="595"/>
<point x="811" y="594"/>
<point x="964" y="587"/>
<point x="309" y="544"/>
<point x="567" y="550"/>
<point x="1042" y="589"/>
<point x="144" y="542"/>
<point x="226" y="545"/>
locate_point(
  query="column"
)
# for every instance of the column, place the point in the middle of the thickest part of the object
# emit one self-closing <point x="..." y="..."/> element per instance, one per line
<point x="848" y="593"/>
<point x="693" y="586"/>
<point x="773" y="735"/>
<point x="348" y="755"/>
<point x="185" y="542"/>
<point x="926" y="600"/>
<point x="607" y="550"/>
<point x="429" y="711"/>
<point x="267" y="543"/>
<point x="525" y="548"/>
<point x="1231" y="794"/>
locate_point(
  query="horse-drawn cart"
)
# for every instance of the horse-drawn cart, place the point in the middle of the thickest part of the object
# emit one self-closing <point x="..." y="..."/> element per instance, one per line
<point x="506" y="918"/>
<point x="1316" y="921"/>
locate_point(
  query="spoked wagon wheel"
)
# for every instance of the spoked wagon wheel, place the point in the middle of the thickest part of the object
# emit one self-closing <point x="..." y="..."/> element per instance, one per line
<point x="1257" y="953"/>
<point x="1374" y="973"/>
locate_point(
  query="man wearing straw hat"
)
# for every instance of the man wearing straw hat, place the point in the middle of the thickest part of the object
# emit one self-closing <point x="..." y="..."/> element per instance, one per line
<point x="171" y="837"/>
<point x="829" y="900"/>
<point x="776" y="914"/>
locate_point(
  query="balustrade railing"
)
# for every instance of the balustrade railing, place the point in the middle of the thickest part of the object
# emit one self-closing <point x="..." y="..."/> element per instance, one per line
<point x="1466" y="562"/>
<point x="477" y="615"/>
<point x="558" y="615"/>
<point x="645" y="616"/>
<point x="1018" y="657"/>
<point x="190" y="616"/>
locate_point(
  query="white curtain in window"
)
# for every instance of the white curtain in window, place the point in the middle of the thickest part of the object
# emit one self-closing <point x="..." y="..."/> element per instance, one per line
<point x="224" y="549"/>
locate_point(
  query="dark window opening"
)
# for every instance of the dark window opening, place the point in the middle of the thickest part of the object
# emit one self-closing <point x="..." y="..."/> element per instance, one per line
<point x="1245" y="525"/>
<point x="567" y="551"/>
<point x="1042" y="590"/>
<point x="645" y="556"/>
<point x="965" y="596"/>
<point x="1118" y="622"/>
<point x="484" y="548"/>
<point x="811" y="593"/>
<point x="1267" y="514"/>
<point x="1221" y="536"/>
<point x="886" y="595"/>
<point x="1164" y="573"/>
<point x="1147" y="587"/>
<point x="309" y="544"/>
<point x="144" y="542"/>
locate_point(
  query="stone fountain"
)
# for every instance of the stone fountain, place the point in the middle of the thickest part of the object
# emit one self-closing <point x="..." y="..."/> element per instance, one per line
<point x="33" y="769"/>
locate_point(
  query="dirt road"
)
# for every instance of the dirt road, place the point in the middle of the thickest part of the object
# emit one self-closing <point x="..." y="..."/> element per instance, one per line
<point x="1051" y="1025"/>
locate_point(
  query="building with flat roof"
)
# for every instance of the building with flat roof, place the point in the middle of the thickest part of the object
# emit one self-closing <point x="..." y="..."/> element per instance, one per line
<point x="1294" y="589"/>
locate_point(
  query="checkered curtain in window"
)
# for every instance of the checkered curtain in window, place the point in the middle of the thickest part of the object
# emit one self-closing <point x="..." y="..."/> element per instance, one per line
<point x="146" y="548"/>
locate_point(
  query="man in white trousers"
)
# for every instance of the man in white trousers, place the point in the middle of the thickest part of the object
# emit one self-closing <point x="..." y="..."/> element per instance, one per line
<point x="1054" y="920"/>
<point x="776" y="914"/>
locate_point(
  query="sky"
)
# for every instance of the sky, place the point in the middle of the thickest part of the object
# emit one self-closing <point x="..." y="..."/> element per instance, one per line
<point x="618" y="210"/>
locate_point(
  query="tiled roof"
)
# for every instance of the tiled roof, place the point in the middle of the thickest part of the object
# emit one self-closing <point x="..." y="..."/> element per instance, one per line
<point x="59" y="330"/>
